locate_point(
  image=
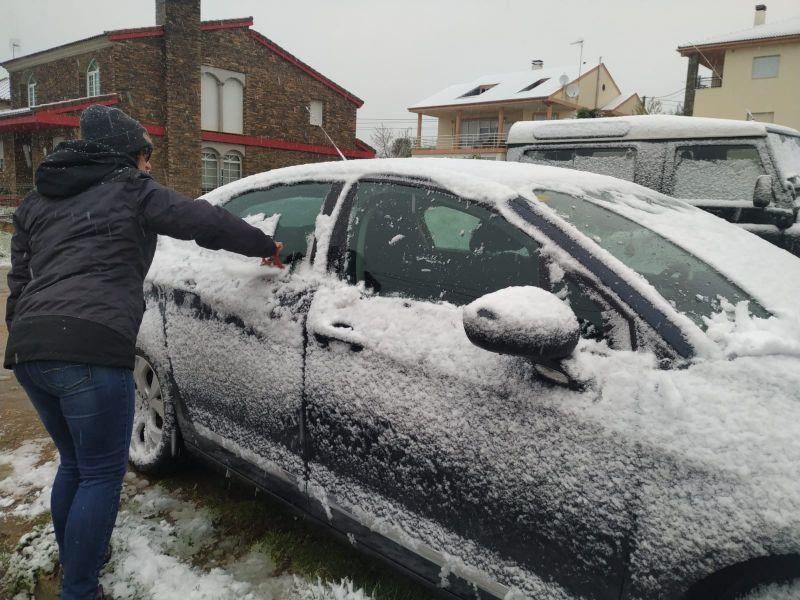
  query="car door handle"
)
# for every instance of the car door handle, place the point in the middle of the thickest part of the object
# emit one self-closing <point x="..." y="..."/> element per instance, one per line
<point x="338" y="332"/>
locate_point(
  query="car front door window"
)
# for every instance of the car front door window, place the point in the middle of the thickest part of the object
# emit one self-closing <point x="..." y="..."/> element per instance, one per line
<point x="425" y="244"/>
<point x="295" y="207"/>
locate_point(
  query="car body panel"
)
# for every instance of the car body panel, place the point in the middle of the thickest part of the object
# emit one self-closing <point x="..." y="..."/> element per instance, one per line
<point x="463" y="466"/>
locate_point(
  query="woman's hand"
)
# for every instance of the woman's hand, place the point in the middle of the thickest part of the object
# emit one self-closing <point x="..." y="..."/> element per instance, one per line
<point x="275" y="259"/>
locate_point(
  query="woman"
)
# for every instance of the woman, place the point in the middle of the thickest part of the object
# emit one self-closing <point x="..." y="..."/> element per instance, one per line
<point x="82" y="246"/>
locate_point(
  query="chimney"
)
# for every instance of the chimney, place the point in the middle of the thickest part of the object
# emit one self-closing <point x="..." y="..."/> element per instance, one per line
<point x="761" y="15"/>
<point x="161" y="12"/>
<point x="537" y="64"/>
<point x="182" y="61"/>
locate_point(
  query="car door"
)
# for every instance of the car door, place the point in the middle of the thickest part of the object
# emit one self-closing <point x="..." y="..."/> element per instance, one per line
<point x="436" y="442"/>
<point x="235" y="333"/>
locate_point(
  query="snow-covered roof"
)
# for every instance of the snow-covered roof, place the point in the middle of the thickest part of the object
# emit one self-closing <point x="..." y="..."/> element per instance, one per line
<point x="518" y="85"/>
<point x="779" y="29"/>
<point x="736" y="253"/>
<point x="638" y="127"/>
<point x="619" y="101"/>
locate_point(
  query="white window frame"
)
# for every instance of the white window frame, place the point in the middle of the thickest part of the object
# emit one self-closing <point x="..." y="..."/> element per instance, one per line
<point x="206" y="157"/>
<point x="766" y="67"/>
<point x="93" y="79"/>
<point x="315" y="110"/>
<point x="764" y="117"/>
<point x="226" y="175"/>
<point x="31" y="90"/>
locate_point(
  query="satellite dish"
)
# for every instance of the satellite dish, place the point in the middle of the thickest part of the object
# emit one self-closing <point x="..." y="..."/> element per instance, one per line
<point x="563" y="79"/>
<point x="573" y="89"/>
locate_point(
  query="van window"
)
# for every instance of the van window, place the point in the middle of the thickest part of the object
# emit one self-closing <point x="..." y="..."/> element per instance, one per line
<point x="718" y="172"/>
<point x="617" y="162"/>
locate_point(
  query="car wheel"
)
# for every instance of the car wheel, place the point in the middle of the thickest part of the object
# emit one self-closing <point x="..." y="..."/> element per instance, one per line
<point x="155" y="440"/>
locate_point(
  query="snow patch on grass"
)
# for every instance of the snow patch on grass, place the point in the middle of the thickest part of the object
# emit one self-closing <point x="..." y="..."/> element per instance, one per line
<point x="36" y="554"/>
<point x="25" y="492"/>
<point x="162" y="547"/>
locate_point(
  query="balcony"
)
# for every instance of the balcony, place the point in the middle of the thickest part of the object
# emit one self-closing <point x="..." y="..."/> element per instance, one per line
<point x="708" y="82"/>
<point x="480" y="141"/>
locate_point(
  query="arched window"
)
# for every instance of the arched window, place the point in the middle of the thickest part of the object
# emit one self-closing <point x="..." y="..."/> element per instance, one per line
<point x="209" y="102"/>
<point x="31" y="90"/>
<point x="231" y="167"/>
<point x="93" y="79"/>
<point x="232" y="106"/>
<point x="210" y="179"/>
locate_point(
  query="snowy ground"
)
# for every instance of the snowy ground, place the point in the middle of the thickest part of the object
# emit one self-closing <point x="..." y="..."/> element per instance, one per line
<point x="5" y="249"/>
<point x="164" y="546"/>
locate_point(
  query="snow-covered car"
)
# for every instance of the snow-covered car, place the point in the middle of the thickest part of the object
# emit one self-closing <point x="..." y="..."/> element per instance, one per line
<point x="743" y="171"/>
<point x="508" y="380"/>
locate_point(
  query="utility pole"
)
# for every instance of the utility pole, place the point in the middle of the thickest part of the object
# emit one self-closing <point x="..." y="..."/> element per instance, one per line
<point x="580" y="57"/>
<point x="597" y="82"/>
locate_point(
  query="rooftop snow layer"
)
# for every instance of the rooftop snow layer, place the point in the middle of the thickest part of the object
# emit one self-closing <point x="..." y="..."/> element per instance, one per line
<point x="759" y="32"/>
<point x="505" y="86"/>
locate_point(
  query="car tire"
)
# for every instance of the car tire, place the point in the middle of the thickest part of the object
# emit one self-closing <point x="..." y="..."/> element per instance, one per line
<point x="155" y="441"/>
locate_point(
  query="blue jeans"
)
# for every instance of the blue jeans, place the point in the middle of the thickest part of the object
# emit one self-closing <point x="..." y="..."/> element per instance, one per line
<point x="88" y="411"/>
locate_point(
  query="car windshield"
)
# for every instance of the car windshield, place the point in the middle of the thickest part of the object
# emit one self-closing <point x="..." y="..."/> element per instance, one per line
<point x="786" y="150"/>
<point x="689" y="284"/>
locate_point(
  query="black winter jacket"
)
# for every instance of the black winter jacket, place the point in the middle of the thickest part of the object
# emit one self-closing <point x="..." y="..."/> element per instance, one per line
<point x="82" y="245"/>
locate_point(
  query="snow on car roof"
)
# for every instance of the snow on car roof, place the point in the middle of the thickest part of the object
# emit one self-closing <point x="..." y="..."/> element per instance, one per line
<point x="638" y="127"/>
<point x="764" y="271"/>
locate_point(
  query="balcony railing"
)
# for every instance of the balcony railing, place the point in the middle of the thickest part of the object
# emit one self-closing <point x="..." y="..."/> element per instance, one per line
<point x="708" y="82"/>
<point x="452" y="142"/>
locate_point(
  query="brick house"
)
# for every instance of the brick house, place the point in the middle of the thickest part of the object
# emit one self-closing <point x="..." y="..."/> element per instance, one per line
<point x="220" y="100"/>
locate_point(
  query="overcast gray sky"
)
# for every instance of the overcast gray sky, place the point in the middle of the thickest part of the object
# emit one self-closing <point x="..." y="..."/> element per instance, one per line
<point x="392" y="53"/>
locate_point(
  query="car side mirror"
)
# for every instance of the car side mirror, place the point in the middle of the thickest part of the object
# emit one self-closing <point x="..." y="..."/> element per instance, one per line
<point x="763" y="194"/>
<point x="523" y="321"/>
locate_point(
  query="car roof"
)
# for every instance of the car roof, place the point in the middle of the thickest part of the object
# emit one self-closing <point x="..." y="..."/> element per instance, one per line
<point x="638" y="127"/>
<point x="487" y="181"/>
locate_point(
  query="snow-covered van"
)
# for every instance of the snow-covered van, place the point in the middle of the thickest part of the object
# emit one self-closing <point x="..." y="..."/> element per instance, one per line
<point x="744" y="171"/>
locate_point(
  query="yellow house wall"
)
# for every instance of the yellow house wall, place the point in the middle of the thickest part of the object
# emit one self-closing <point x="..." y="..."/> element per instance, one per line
<point x="589" y="82"/>
<point x="629" y="107"/>
<point x="741" y="93"/>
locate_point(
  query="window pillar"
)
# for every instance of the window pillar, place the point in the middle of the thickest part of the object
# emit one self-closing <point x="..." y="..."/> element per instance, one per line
<point x="501" y="117"/>
<point x="419" y="130"/>
<point x="457" y="141"/>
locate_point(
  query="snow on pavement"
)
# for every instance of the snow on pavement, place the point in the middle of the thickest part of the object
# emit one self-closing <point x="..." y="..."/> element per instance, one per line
<point x="158" y="546"/>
